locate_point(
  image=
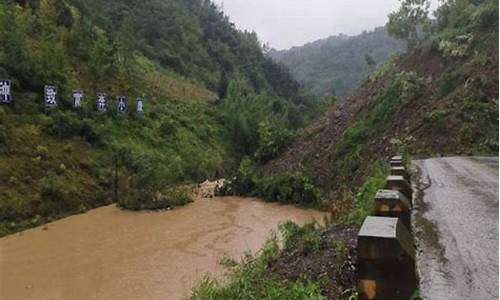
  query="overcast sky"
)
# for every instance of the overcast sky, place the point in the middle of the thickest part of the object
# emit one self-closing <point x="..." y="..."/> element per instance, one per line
<point x="287" y="23"/>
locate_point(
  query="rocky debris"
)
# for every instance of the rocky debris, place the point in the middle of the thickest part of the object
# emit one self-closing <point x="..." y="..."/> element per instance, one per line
<point x="207" y="189"/>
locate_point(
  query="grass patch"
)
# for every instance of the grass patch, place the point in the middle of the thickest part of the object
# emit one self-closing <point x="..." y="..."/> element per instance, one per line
<point x="248" y="279"/>
<point x="305" y="238"/>
<point x="366" y="194"/>
<point x="271" y="275"/>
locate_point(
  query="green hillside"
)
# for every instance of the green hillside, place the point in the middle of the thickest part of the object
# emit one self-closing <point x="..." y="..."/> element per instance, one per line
<point x="339" y="64"/>
<point x="206" y="85"/>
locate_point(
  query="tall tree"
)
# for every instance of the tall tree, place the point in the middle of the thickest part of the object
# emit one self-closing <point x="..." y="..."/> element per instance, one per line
<point x="405" y="23"/>
<point x="370" y="61"/>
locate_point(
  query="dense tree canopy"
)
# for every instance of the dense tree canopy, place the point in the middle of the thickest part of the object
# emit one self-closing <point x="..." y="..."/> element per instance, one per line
<point x="193" y="39"/>
<point x="406" y="22"/>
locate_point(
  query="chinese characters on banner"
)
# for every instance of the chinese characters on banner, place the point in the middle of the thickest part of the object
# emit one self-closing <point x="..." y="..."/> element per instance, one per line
<point x="5" y="96"/>
<point x="140" y="106"/>
<point x="101" y="102"/>
<point x="121" y="106"/>
<point x="77" y="99"/>
<point x="50" y="96"/>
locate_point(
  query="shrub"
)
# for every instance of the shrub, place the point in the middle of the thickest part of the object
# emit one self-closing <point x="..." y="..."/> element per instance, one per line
<point x="366" y="194"/>
<point x="384" y="69"/>
<point x="438" y="115"/>
<point x="55" y="197"/>
<point x="42" y="151"/>
<point x="273" y="137"/>
<point x="288" y="187"/>
<point x="67" y="125"/>
<point x="410" y="84"/>
<point x="168" y="197"/>
<point x="3" y="135"/>
<point x="487" y="15"/>
<point x="247" y="281"/>
<point x="244" y="181"/>
<point x="168" y="128"/>
<point x="303" y="238"/>
<point x="284" y="187"/>
<point x="458" y="47"/>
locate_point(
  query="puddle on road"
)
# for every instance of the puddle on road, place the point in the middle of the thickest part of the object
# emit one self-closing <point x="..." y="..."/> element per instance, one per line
<point x="109" y="253"/>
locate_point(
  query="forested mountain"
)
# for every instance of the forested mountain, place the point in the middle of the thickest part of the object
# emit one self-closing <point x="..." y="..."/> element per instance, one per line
<point x="210" y="94"/>
<point x="191" y="38"/>
<point x="339" y="64"/>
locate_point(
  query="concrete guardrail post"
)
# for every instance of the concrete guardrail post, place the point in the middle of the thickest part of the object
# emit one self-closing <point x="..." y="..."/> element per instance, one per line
<point x="386" y="266"/>
<point x="400" y="171"/>
<point x="389" y="203"/>
<point x="399" y="183"/>
<point x="397" y="157"/>
<point x="397" y="161"/>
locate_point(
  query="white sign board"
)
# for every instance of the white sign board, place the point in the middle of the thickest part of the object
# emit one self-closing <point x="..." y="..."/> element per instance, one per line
<point x="77" y="99"/>
<point x="5" y="96"/>
<point x="121" y="105"/>
<point x="140" y="106"/>
<point x="101" y="102"/>
<point x="50" y="96"/>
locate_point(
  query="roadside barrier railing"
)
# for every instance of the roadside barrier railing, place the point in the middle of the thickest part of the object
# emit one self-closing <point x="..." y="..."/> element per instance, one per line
<point x="386" y="252"/>
<point x="389" y="203"/>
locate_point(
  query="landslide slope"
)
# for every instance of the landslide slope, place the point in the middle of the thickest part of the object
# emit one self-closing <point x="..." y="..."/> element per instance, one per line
<point x="441" y="98"/>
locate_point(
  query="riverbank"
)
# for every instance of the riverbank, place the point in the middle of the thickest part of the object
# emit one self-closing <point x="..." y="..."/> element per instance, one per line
<point x="308" y="262"/>
<point x="171" y="198"/>
<point x="316" y="261"/>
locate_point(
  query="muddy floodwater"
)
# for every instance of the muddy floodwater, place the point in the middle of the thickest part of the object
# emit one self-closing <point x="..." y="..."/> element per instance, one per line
<point x="109" y="253"/>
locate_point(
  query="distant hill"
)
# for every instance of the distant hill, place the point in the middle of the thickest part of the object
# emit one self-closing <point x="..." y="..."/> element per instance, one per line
<point x="338" y="64"/>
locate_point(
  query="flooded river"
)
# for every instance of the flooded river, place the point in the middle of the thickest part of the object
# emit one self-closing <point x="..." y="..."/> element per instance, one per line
<point x="109" y="253"/>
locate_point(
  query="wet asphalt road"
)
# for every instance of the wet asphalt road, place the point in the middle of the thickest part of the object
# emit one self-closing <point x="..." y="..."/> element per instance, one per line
<point x="456" y="227"/>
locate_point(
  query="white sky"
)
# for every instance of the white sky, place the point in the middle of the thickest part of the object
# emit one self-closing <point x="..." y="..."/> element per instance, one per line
<point x="287" y="23"/>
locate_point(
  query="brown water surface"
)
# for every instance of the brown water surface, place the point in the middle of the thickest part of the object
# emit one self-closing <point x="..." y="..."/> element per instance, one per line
<point x="109" y="253"/>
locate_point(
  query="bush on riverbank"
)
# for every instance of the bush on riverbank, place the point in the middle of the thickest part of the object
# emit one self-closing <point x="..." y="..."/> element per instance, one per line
<point x="283" y="187"/>
<point x="168" y="197"/>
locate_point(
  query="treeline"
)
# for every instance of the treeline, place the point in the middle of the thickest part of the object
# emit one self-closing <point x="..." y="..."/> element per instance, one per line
<point x="113" y="42"/>
<point x="193" y="38"/>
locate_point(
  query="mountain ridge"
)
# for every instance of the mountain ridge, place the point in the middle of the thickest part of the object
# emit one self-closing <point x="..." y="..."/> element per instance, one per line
<point x="338" y="64"/>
